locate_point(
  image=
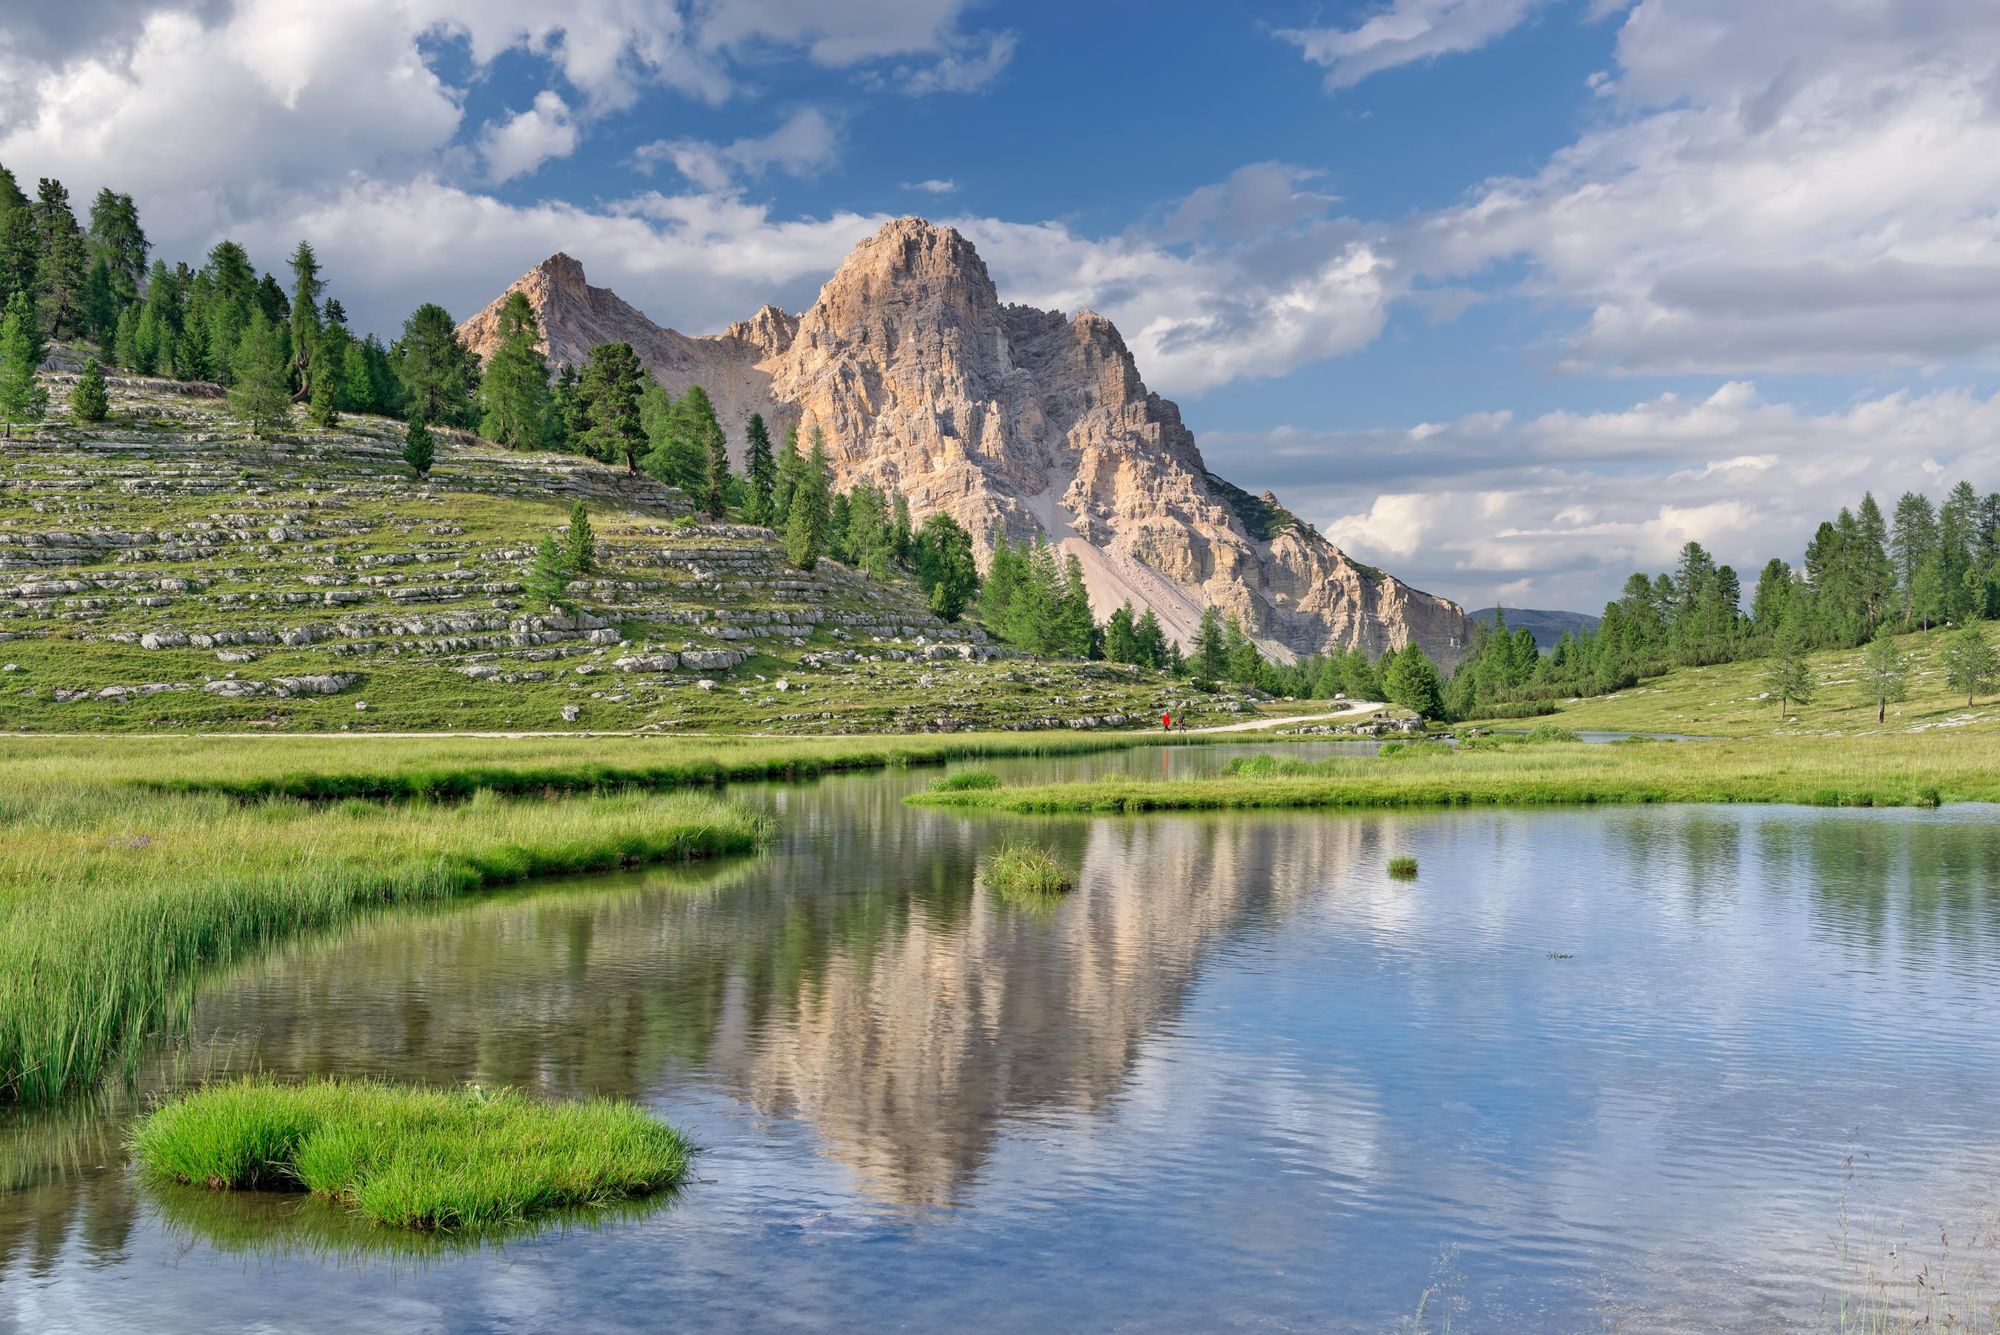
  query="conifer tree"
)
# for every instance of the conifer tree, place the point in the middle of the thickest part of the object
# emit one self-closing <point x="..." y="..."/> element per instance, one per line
<point x="120" y="243"/>
<point x="356" y="390"/>
<point x="514" y="390"/>
<point x="1076" y="629"/>
<point x="549" y="576"/>
<point x="1970" y="663"/>
<point x="1210" y="658"/>
<point x="760" y="472"/>
<point x="307" y="286"/>
<point x="62" y="261"/>
<point x="419" y="449"/>
<point x="811" y="509"/>
<point x="89" y="401"/>
<point x="1790" y="675"/>
<point x="580" y="540"/>
<point x="21" y="400"/>
<point x="18" y="253"/>
<point x="715" y="471"/>
<point x="785" y="479"/>
<point x="1121" y="643"/>
<point x="262" y="397"/>
<point x="900" y="533"/>
<point x="610" y="393"/>
<point x="567" y="420"/>
<point x="1149" y="641"/>
<point x="439" y="374"/>
<point x="323" y="408"/>
<point x="1885" y="673"/>
<point x="946" y="570"/>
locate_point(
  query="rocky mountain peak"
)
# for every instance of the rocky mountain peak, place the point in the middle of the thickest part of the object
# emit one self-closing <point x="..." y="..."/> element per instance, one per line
<point x="1017" y="422"/>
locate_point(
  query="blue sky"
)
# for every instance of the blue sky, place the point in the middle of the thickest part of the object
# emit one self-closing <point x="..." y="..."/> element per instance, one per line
<point x="1509" y="296"/>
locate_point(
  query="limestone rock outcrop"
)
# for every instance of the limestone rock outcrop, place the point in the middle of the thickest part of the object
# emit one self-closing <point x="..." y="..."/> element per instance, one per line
<point x="1015" y="421"/>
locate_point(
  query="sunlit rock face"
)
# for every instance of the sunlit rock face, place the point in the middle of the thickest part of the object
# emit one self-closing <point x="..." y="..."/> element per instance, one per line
<point x="1017" y="422"/>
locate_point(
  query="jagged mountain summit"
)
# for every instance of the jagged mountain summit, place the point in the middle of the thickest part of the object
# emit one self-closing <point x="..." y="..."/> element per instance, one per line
<point x="1014" y="421"/>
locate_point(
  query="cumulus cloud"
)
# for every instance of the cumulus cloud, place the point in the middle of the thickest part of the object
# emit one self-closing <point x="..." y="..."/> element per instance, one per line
<point x="1407" y="31"/>
<point x="1797" y="185"/>
<point x="523" y="142"/>
<point x="933" y="186"/>
<point x="1555" y="511"/>
<point x="805" y="144"/>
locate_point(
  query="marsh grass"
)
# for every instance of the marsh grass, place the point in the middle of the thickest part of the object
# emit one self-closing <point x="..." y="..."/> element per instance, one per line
<point x="112" y="899"/>
<point x="1403" y="869"/>
<point x="965" y="781"/>
<point x="419" y="1159"/>
<point x="1414" y="750"/>
<point x="1027" y="871"/>
<point x="1902" y="770"/>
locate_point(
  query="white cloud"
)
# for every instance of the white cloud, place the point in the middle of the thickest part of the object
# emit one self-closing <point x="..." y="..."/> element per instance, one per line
<point x="525" y="141"/>
<point x="966" y="66"/>
<point x="805" y="144"/>
<point x="1561" y="507"/>
<point x="1799" y="185"/>
<point x="933" y="186"/>
<point x="1406" y="31"/>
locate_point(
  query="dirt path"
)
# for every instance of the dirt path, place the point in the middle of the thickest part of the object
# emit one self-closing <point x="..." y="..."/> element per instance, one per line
<point x="1354" y="709"/>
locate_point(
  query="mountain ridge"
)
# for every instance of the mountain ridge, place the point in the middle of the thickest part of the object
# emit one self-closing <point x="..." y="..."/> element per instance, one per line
<point x="1018" y="422"/>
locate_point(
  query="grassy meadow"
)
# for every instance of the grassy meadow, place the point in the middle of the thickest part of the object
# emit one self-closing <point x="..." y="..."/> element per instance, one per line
<point x="1728" y="700"/>
<point x="1897" y="770"/>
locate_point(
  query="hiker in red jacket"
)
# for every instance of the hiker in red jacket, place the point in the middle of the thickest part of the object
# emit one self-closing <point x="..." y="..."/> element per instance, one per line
<point x="1167" y="722"/>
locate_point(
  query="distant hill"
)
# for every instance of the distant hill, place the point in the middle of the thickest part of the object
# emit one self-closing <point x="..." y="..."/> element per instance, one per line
<point x="1547" y="626"/>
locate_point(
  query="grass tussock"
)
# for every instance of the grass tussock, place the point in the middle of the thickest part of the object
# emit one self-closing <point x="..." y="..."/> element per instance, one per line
<point x="1026" y="870"/>
<point x="112" y="899"/>
<point x="1414" y="750"/>
<point x="1922" y="770"/>
<point x="422" y="1159"/>
<point x="1403" y="869"/>
<point x="966" y="781"/>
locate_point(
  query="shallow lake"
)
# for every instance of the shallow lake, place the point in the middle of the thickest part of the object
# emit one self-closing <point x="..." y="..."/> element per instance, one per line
<point x="1638" y="1069"/>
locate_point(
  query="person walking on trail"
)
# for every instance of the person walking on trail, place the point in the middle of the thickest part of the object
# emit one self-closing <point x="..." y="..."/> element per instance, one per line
<point x="1167" y="722"/>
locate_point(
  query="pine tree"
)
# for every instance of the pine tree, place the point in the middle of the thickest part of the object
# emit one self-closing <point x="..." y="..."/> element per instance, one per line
<point x="1004" y="575"/>
<point x="1790" y="675"/>
<point x="514" y="391"/>
<point x="901" y="535"/>
<point x="1121" y="644"/>
<point x="357" y="390"/>
<point x="21" y="399"/>
<point x="811" y="509"/>
<point x="307" y="286"/>
<point x="323" y="409"/>
<point x="580" y="541"/>
<point x="567" y="419"/>
<point x="419" y="450"/>
<point x="715" y="472"/>
<point x="1970" y="663"/>
<point x="1076" y="628"/>
<point x="760" y="472"/>
<point x="439" y="373"/>
<point x="610" y="394"/>
<point x="262" y="397"/>
<point x="1885" y="673"/>
<point x="549" y="576"/>
<point x="1912" y="541"/>
<point x="119" y="241"/>
<point x="63" y="261"/>
<point x="19" y="256"/>
<point x="1149" y="641"/>
<point x="89" y="401"/>
<point x="1411" y="680"/>
<point x="946" y="570"/>
<point x="1210" y="659"/>
<point x="785" y="479"/>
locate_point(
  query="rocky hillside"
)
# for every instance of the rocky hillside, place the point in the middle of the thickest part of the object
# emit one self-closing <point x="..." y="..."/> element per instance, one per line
<point x="1015" y="421"/>
<point x="160" y="571"/>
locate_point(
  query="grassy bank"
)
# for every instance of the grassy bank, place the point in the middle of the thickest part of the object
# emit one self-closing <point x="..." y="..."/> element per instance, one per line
<point x="1901" y="770"/>
<point x="1734" y="700"/>
<point x="324" y="768"/>
<point x="422" y="1159"/>
<point x="112" y="898"/>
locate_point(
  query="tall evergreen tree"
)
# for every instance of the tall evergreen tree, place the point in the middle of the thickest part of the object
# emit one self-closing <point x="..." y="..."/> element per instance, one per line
<point x="22" y="401"/>
<point x="811" y="509"/>
<point x="760" y="471"/>
<point x="1790" y="675"/>
<point x="612" y="381"/>
<point x="1076" y="629"/>
<point x="419" y="449"/>
<point x="1885" y="673"/>
<point x="261" y="398"/>
<point x="1911" y="542"/>
<point x="117" y="239"/>
<point x="1149" y="641"/>
<point x="946" y="570"/>
<point x="1210" y="656"/>
<point x="715" y="470"/>
<point x="63" y="261"/>
<point x="791" y="465"/>
<point x="1411" y="680"/>
<point x="439" y="374"/>
<point x="580" y="540"/>
<point x="307" y="285"/>
<point x="514" y="390"/>
<point x="17" y="241"/>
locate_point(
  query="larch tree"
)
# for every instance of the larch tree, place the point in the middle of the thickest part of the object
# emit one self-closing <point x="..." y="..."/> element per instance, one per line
<point x="261" y="397"/>
<point x="439" y="374"/>
<point x="514" y="395"/>
<point x="22" y="401"/>
<point x="1970" y="663"/>
<point x="760" y="471"/>
<point x="1885" y="673"/>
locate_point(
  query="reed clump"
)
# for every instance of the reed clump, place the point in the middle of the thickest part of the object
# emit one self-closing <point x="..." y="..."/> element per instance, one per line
<point x="1027" y="870"/>
<point x="1403" y="868"/>
<point x="411" y="1158"/>
<point x="966" y="781"/>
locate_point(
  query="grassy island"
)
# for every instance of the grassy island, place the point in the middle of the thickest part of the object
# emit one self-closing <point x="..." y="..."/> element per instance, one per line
<point x="1029" y="871"/>
<point x="461" y="1159"/>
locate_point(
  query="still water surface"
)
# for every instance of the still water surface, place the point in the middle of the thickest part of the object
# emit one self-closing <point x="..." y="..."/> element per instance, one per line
<point x="1632" y="1069"/>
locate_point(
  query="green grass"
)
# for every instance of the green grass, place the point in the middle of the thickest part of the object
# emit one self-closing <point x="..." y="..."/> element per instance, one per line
<point x="1902" y="770"/>
<point x="965" y="781"/>
<point x="112" y="899"/>
<point x="421" y="1159"/>
<point x="1029" y="871"/>
<point x="1403" y="868"/>
<point x="1724" y="701"/>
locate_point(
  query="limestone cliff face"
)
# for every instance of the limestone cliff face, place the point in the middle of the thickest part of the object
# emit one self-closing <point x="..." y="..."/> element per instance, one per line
<point x="1016" y="421"/>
